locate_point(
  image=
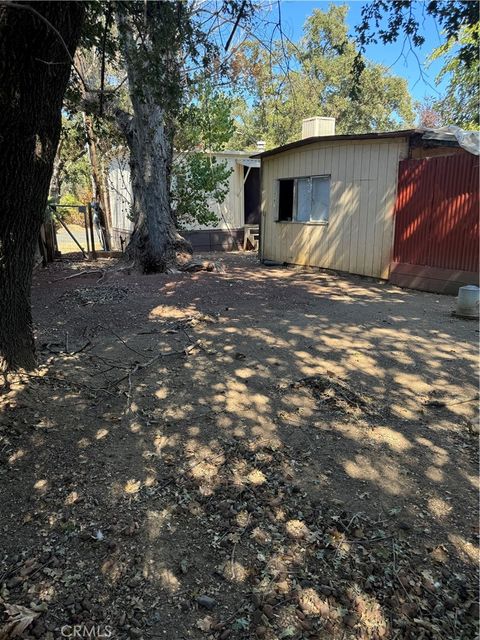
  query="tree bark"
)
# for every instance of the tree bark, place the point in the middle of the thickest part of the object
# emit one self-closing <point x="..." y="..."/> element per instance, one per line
<point x="108" y="208"/>
<point x="88" y="71"/>
<point x="155" y="244"/>
<point x="56" y="179"/>
<point x="34" y="71"/>
<point x="97" y="174"/>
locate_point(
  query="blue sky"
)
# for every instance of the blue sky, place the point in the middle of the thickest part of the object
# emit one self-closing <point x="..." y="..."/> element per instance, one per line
<point x="295" y="12"/>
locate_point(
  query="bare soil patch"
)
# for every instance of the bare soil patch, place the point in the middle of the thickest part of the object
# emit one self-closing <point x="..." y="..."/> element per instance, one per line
<point x="248" y="453"/>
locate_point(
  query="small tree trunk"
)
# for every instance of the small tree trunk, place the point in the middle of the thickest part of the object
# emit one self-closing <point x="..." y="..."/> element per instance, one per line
<point x="97" y="174"/>
<point x="34" y="71"/>
<point x="86" y="69"/>
<point x="56" y="180"/>
<point x="108" y="208"/>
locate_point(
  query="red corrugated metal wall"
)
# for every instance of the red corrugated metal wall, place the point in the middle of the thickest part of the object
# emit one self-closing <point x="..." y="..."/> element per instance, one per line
<point x="437" y="212"/>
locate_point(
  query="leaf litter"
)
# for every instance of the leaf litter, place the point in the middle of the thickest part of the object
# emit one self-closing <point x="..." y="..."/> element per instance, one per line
<point x="228" y="524"/>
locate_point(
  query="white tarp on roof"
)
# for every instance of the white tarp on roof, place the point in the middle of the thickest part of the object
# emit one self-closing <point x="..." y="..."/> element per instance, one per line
<point x="468" y="140"/>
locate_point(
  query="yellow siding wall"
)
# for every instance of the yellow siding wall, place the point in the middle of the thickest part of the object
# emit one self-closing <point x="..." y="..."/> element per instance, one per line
<point x="359" y="235"/>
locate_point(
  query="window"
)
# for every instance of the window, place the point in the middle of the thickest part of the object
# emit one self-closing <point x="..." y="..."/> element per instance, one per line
<point x="304" y="199"/>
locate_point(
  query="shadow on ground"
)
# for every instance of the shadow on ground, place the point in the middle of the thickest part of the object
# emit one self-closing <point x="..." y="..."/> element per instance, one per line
<point x="268" y="453"/>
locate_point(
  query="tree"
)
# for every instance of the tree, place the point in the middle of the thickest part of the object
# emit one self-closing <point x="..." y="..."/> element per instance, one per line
<point x="155" y="29"/>
<point x="461" y="104"/>
<point x="162" y="44"/>
<point x="389" y="21"/>
<point x="428" y="115"/>
<point x="205" y="126"/>
<point x="314" y="77"/>
<point x="96" y="129"/>
<point x="71" y="172"/>
<point x="37" y="44"/>
<point x="199" y="180"/>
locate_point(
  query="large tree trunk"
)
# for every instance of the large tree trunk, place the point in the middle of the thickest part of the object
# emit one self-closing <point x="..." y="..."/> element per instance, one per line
<point x="34" y="71"/>
<point x="155" y="244"/>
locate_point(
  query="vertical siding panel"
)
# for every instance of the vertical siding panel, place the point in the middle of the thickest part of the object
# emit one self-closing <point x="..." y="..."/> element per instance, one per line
<point x="336" y="207"/>
<point x="437" y="214"/>
<point x="359" y="217"/>
<point x="333" y="217"/>
<point x="264" y="229"/>
<point x="455" y="238"/>
<point x="371" y="200"/>
<point x="238" y="196"/>
<point x="355" y="210"/>
<point x="363" y="208"/>
<point x="273" y="207"/>
<point x="277" y="172"/>
<point x="468" y="229"/>
<point x="336" y="193"/>
<point x="388" y="213"/>
<point x="324" y="168"/>
<point x="268" y="208"/>
<point x="347" y="205"/>
<point x="265" y="209"/>
<point x="381" y="203"/>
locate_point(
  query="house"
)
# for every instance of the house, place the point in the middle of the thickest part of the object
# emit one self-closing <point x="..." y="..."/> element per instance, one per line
<point x="332" y="201"/>
<point x="239" y="210"/>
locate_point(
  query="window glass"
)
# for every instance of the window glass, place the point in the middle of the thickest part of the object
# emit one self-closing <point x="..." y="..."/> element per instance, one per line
<point x="320" y="199"/>
<point x="304" y="199"/>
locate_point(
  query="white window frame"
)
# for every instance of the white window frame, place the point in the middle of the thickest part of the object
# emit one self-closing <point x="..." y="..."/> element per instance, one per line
<point x="326" y="178"/>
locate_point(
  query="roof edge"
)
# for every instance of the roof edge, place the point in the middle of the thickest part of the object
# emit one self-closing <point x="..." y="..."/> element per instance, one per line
<point x="404" y="133"/>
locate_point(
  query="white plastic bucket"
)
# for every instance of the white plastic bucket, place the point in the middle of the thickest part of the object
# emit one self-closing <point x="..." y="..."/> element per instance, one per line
<point x="468" y="301"/>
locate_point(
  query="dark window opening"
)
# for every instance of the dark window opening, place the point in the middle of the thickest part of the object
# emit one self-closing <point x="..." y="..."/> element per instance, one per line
<point x="285" y="200"/>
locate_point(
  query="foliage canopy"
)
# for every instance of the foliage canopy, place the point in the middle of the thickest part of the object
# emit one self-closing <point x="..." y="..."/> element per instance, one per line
<point x="314" y="77"/>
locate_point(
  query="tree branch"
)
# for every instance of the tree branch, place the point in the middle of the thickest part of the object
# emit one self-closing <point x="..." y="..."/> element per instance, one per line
<point x="239" y="17"/>
<point x="104" y="44"/>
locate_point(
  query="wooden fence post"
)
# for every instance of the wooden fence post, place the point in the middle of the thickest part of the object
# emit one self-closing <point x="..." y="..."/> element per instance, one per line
<point x="92" y="237"/>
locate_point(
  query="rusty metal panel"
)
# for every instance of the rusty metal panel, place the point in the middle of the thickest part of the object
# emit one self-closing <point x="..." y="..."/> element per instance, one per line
<point x="437" y="212"/>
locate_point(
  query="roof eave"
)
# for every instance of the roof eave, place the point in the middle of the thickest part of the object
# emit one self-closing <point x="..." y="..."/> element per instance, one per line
<point x="405" y="133"/>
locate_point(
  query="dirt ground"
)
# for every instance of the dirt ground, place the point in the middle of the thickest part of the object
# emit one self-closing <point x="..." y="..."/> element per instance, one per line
<point x="250" y="453"/>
